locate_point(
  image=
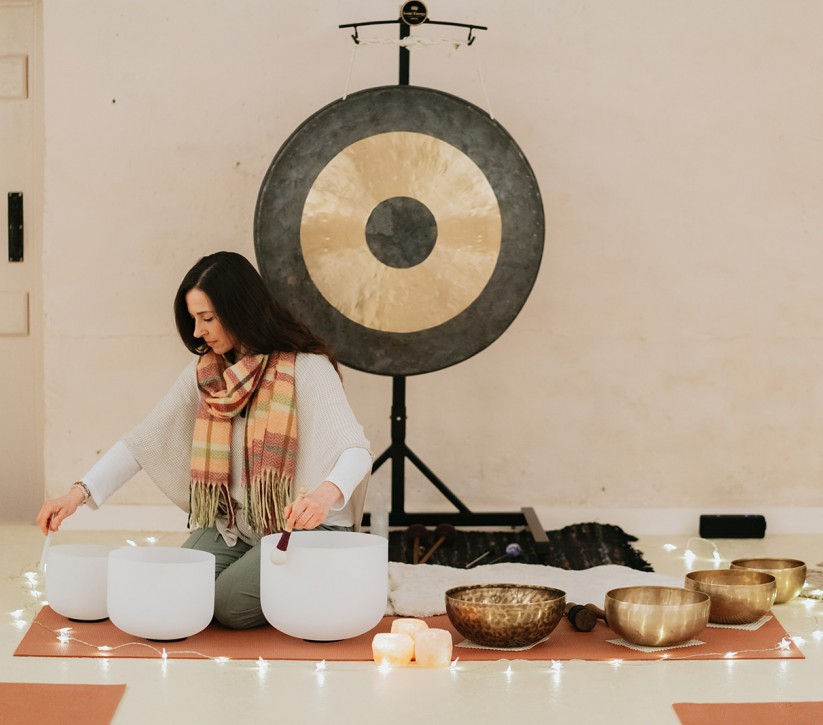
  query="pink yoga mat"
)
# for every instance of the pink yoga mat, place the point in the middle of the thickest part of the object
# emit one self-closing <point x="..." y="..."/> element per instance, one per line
<point x="215" y="641"/>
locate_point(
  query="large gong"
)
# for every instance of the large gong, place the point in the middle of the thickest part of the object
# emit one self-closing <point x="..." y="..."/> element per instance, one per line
<point x="403" y="225"/>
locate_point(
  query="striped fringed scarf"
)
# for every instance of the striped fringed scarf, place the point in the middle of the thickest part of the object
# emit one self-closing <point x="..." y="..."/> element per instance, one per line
<point x="263" y="385"/>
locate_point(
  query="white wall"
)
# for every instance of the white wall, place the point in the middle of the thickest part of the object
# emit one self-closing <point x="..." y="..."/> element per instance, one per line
<point x="671" y="353"/>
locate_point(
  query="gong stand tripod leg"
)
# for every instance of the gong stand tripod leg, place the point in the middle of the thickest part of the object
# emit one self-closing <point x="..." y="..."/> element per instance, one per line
<point x="398" y="451"/>
<point x="438" y="484"/>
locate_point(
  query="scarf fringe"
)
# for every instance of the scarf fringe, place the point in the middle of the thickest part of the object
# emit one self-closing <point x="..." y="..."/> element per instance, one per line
<point x="207" y="502"/>
<point x="266" y="501"/>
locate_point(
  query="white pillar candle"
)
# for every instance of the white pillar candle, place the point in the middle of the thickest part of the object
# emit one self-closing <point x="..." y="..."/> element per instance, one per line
<point x="392" y="648"/>
<point x="433" y="647"/>
<point x="408" y="626"/>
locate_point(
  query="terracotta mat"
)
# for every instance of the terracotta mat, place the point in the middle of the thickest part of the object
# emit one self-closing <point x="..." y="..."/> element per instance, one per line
<point x="29" y="703"/>
<point x="751" y="713"/>
<point x="86" y="639"/>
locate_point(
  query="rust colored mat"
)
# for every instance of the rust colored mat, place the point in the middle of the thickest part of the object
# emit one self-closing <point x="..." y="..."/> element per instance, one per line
<point x="751" y="713"/>
<point x="29" y="703"/>
<point x="103" y="639"/>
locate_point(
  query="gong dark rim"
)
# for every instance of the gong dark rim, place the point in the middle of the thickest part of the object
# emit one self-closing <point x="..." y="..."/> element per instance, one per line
<point x="414" y="109"/>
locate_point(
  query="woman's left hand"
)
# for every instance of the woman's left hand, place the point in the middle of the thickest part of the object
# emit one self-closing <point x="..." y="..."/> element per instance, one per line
<point x="311" y="510"/>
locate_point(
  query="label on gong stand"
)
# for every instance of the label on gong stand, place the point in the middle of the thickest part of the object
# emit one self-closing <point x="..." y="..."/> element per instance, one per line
<point x="413" y="13"/>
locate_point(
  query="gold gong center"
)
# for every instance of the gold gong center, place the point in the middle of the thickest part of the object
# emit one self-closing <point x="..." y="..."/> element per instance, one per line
<point x="386" y="166"/>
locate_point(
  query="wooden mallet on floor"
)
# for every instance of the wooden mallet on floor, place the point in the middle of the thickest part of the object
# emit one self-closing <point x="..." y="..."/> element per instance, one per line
<point x="583" y="617"/>
<point x="446" y="534"/>
<point x="416" y="536"/>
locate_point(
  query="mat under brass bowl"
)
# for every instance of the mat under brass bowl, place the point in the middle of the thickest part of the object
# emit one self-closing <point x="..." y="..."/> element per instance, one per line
<point x="657" y="616"/>
<point x="789" y="573"/>
<point x="738" y="596"/>
<point x="505" y="615"/>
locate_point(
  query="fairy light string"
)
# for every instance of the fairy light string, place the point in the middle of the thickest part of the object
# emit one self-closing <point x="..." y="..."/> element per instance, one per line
<point x="32" y="583"/>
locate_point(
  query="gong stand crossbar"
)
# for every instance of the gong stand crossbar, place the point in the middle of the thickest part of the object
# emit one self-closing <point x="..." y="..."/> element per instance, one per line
<point x="398" y="451"/>
<point x="405" y="32"/>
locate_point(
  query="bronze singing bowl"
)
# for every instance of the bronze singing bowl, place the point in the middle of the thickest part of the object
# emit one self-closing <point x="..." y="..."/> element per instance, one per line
<point x="738" y="596"/>
<point x="656" y="616"/>
<point x="505" y="615"/>
<point x="790" y="574"/>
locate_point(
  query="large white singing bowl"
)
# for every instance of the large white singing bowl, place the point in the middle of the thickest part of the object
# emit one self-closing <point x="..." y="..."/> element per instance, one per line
<point x="161" y="592"/>
<point x="332" y="585"/>
<point x="76" y="576"/>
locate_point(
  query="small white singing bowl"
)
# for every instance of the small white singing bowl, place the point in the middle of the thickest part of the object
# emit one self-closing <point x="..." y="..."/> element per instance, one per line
<point x="332" y="585"/>
<point x="161" y="592"/>
<point x="76" y="581"/>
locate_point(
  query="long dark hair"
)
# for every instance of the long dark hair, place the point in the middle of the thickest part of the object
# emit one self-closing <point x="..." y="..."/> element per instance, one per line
<point x="245" y="307"/>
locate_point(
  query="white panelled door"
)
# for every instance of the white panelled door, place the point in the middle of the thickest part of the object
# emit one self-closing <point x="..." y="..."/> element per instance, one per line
<point x="21" y="464"/>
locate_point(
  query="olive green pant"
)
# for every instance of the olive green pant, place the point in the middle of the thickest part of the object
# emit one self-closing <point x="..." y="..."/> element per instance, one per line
<point x="237" y="577"/>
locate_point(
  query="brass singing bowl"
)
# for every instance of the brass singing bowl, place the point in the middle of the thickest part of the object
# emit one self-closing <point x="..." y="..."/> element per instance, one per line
<point x="656" y="616"/>
<point x="790" y="574"/>
<point x="505" y="615"/>
<point x="738" y="596"/>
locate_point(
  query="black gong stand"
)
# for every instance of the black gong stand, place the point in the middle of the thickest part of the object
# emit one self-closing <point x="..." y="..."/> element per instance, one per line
<point x="398" y="451"/>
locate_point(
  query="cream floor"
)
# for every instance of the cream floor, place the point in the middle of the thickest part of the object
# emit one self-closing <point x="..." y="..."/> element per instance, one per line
<point x="192" y="691"/>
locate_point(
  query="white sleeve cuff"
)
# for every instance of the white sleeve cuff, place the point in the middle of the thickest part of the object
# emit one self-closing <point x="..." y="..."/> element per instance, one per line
<point x="112" y="470"/>
<point x="351" y="468"/>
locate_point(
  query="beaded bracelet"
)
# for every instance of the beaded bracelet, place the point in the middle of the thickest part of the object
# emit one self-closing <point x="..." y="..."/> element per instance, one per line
<point x="85" y="489"/>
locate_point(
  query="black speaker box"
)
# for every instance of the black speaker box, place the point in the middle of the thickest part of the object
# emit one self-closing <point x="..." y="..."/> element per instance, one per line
<point x="732" y="526"/>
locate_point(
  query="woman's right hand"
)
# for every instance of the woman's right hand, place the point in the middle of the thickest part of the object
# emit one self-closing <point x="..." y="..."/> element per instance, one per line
<point x="54" y="511"/>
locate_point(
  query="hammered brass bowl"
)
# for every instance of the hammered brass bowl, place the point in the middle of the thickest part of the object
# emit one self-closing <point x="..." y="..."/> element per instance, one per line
<point x="656" y="616"/>
<point x="738" y="596"/>
<point x="505" y="615"/>
<point x="789" y="573"/>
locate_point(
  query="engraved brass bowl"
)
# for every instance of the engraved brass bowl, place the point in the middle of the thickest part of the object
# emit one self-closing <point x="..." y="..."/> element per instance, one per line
<point x="505" y="615"/>
<point x="738" y="596"/>
<point x="789" y="573"/>
<point x="656" y="616"/>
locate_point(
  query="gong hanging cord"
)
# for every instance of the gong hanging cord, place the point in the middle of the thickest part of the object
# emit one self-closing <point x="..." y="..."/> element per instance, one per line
<point x="416" y="42"/>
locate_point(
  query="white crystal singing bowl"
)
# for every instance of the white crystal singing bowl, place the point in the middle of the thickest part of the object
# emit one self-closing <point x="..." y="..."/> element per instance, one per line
<point x="76" y="576"/>
<point x="161" y="592"/>
<point x="332" y="585"/>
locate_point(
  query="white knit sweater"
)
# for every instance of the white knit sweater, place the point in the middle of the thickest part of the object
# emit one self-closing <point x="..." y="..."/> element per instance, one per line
<point x="326" y="427"/>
